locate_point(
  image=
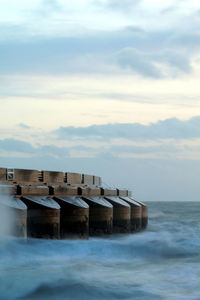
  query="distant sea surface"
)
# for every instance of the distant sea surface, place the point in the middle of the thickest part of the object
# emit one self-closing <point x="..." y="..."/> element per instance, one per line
<point x="162" y="262"/>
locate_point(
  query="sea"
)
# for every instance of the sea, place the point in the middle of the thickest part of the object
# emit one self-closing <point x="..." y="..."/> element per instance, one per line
<point x="161" y="262"/>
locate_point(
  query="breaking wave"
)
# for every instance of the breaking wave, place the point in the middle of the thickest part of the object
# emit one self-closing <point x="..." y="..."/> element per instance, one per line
<point x="162" y="262"/>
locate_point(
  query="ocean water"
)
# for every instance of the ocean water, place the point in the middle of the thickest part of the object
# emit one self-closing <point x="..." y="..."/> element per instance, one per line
<point x="162" y="262"/>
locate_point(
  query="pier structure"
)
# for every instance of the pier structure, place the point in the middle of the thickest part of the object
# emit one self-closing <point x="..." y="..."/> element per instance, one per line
<point x="100" y="211"/>
<point x="54" y="205"/>
<point x="121" y="211"/>
<point x="136" y="210"/>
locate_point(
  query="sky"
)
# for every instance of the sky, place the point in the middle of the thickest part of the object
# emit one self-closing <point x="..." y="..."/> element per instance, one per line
<point x="104" y="87"/>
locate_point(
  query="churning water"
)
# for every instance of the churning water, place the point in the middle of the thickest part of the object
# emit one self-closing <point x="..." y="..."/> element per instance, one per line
<point x="162" y="262"/>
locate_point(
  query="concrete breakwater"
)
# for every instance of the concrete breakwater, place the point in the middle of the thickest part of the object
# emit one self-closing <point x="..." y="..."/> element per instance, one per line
<point x="54" y="205"/>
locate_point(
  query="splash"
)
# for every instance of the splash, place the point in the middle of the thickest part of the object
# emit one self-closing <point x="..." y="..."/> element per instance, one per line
<point x="6" y="212"/>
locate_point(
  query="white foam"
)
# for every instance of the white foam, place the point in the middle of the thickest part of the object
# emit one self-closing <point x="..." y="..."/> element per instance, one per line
<point x="6" y="212"/>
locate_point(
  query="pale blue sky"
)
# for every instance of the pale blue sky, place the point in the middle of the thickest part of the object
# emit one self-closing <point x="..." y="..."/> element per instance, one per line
<point x="107" y="87"/>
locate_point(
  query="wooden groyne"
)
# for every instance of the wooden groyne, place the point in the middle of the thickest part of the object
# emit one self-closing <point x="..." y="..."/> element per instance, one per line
<point x="54" y="205"/>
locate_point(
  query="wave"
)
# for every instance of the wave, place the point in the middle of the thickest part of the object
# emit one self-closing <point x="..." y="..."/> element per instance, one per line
<point x="147" y="245"/>
<point x="149" y="265"/>
<point x="68" y="289"/>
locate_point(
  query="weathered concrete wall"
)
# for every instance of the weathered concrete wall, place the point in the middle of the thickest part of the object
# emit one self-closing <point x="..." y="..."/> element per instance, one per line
<point x="3" y="174"/>
<point x="15" y="216"/>
<point x="108" y="192"/>
<point x="74" y="217"/>
<point x="73" y="178"/>
<point x="43" y="217"/>
<point x="144" y="213"/>
<point x="52" y="177"/>
<point x="26" y="176"/>
<point x="94" y="192"/>
<point x="63" y="191"/>
<point x="100" y="216"/>
<point x="122" y="193"/>
<point x="121" y="215"/>
<point x="83" y="191"/>
<point x="136" y="214"/>
<point x="32" y="190"/>
<point x="97" y="181"/>
<point x="87" y="179"/>
<point x="89" y="191"/>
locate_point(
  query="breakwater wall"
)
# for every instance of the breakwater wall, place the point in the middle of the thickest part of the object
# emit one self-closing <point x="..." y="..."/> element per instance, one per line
<point x="54" y="205"/>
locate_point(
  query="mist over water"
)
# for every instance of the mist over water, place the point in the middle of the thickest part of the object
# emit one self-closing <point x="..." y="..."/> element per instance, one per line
<point x="6" y="212"/>
<point x="162" y="262"/>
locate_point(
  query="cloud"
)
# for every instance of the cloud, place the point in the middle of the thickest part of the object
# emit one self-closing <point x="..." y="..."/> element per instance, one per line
<point x="51" y="150"/>
<point x="165" y="139"/>
<point x="14" y="145"/>
<point x="24" y="126"/>
<point x="152" y="53"/>
<point x="51" y="4"/>
<point x="106" y="150"/>
<point x="161" y="148"/>
<point x="47" y="8"/>
<point x="169" y="10"/>
<point x="124" y="6"/>
<point x="139" y="62"/>
<point x="169" y="128"/>
<point x="18" y="146"/>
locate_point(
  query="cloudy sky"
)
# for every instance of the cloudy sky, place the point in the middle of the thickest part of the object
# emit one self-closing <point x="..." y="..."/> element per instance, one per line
<point x="104" y="87"/>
